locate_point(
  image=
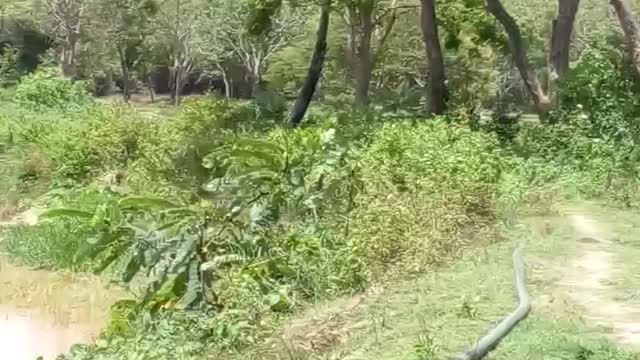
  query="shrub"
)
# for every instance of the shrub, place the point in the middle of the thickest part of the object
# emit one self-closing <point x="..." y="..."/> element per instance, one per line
<point x="47" y="89"/>
<point x="601" y="91"/>
<point x="427" y="188"/>
<point x="171" y="153"/>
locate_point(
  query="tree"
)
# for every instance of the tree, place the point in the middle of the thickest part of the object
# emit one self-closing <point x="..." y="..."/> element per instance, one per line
<point x="436" y="87"/>
<point x="177" y="21"/>
<point x="129" y="25"/>
<point x="559" y="54"/>
<point x="562" y="28"/>
<point x="229" y="38"/>
<point x="315" y="67"/>
<point x="630" y="28"/>
<point x="363" y="18"/>
<point x="65" y="23"/>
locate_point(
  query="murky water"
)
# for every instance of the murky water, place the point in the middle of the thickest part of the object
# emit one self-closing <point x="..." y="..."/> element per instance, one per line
<point x="44" y="313"/>
<point x="27" y="334"/>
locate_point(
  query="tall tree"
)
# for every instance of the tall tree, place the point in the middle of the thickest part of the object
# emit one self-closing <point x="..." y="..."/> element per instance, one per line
<point x="65" y="23"/>
<point x="363" y="19"/>
<point x="177" y="21"/>
<point x="315" y="67"/>
<point x="128" y="26"/>
<point x="252" y="46"/>
<point x="562" y="29"/>
<point x="436" y="85"/>
<point x="630" y="28"/>
<point x="560" y="48"/>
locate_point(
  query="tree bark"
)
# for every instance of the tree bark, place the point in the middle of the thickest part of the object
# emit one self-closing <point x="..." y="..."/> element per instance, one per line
<point x="561" y="37"/>
<point x="533" y="87"/>
<point x="225" y="79"/>
<point x="125" y="73"/>
<point x="630" y="28"/>
<point x="315" y="68"/>
<point x="364" y="68"/>
<point x="176" y="100"/>
<point x="436" y="87"/>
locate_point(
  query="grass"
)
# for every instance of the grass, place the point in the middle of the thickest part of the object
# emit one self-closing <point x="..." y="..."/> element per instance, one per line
<point x="51" y="245"/>
<point x="440" y="314"/>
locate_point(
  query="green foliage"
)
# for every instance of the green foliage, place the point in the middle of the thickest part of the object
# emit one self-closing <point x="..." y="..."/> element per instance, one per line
<point x="47" y="89"/>
<point x="50" y="245"/>
<point x="145" y="234"/>
<point x="601" y="90"/>
<point x="8" y="65"/>
<point x="171" y="153"/>
<point x="427" y="187"/>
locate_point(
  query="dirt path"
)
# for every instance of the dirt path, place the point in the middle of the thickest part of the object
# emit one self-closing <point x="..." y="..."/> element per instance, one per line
<point x="591" y="277"/>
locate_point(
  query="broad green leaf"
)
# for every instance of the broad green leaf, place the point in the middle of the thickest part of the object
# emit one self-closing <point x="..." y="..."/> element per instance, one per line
<point x="185" y="253"/>
<point x="147" y="203"/>
<point x="262" y="145"/>
<point x="52" y="213"/>
<point x="193" y="297"/>
<point x="133" y="265"/>
<point x="181" y="211"/>
<point x="274" y="161"/>
<point x="219" y="261"/>
<point x="92" y="247"/>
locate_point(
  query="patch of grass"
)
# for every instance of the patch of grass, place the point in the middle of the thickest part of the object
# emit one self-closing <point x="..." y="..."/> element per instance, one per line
<point x="51" y="245"/>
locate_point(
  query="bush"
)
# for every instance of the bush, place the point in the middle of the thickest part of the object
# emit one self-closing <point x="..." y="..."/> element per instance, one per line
<point x="171" y="153"/>
<point x="601" y="92"/>
<point x="427" y="189"/>
<point x="46" y="88"/>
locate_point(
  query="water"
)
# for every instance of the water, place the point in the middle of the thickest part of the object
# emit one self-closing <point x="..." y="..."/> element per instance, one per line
<point x="44" y="313"/>
<point x="27" y="334"/>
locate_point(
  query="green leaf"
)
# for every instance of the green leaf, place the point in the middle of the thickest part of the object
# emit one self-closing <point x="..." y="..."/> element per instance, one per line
<point x="133" y="265"/>
<point x="92" y="247"/>
<point x="147" y="203"/>
<point x="185" y="211"/>
<point x="262" y="145"/>
<point x="53" y="213"/>
<point x="193" y="297"/>
<point x="274" y="161"/>
<point x="185" y="253"/>
<point x="221" y="260"/>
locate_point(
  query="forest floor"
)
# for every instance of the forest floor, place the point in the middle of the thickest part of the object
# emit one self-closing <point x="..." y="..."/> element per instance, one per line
<point x="583" y="277"/>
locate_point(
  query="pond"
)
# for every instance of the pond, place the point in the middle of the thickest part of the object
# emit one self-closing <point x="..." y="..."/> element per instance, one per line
<point x="26" y="334"/>
<point x="43" y="313"/>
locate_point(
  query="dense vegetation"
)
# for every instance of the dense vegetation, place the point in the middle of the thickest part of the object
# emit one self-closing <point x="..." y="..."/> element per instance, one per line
<point x="222" y="217"/>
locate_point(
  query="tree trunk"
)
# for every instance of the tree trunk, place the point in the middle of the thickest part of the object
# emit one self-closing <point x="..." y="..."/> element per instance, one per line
<point x="256" y="79"/>
<point x="364" y="68"/>
<point x="125" y="74"/>
<point x="533" y="87"/>
<point x="436" y="87"/>
<point x="561" y="37"/>
<point x="315" y="68"/>
<point x="630" y="28"/>
<point x="225" y="79"/>
<point x="176" y="99"/>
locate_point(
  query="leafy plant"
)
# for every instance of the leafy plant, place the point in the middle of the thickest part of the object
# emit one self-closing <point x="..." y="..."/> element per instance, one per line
<point x="149" y="235"/>
<point x="47" y="89"/>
